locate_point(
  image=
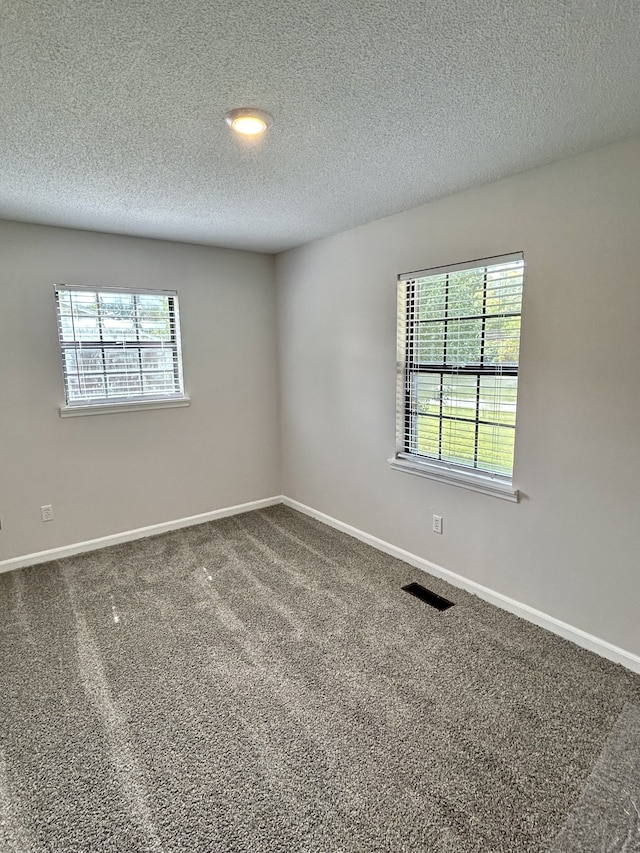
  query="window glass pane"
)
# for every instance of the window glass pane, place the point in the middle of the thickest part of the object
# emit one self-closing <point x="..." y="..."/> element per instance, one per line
<point x="124" y="385"/>
<point x="505" y="265"/>
<point x="85" y="387"/>
<point x="66" y="328"/>
<point x="116" y="304"/>
<point x="119" y="329"/>
<point x="502" y="340"/>
<point x="464" y="342"/>
<point x="118" y="315"/>
<point x="158" y="329"/>
<point x="64" y="302"/>
<point x="84" y="304"/>
<point x="89" y="360"/>
<point x="122" y="359"/>
<point x="70" y="363"/>
<point x="495" y="448"/>
<point x="504" y="293"/>
<point x="498" y="396"/>
<point x="426" y="393"/>
<point x="152" y="306"/>
<point x="430" y="343"/>
<point x="73" y="388"/>
<point x="154" y="317"/>
<point x="430" y="293"/>
<point x="458" y="441"/>
<point x="426" y="437"/>
<point x="158" y="383"/>
<point x="459" y="397"/>
<point x="80" y="328"/>
<point x="504" y="288"/>
<point x="465" y="293"/>
<point x="157" y="359"/>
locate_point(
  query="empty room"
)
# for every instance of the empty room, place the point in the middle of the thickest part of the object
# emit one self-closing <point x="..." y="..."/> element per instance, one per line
<point x="319" y="426"/>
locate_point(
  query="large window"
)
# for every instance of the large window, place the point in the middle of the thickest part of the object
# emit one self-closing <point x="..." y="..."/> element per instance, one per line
<point x="458" y="354"/>
<point x="120" y="348"/>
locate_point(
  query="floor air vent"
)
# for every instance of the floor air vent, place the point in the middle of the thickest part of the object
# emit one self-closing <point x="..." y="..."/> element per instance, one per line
<point x="426" y="595"/>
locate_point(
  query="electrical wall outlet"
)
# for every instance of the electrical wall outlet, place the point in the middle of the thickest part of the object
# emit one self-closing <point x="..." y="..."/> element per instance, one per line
<point x="46" y="512"/>
<point x="437" y="524"/>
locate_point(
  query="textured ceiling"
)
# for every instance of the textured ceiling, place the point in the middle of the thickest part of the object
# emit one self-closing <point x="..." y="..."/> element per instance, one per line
<point x="113" y="110"/>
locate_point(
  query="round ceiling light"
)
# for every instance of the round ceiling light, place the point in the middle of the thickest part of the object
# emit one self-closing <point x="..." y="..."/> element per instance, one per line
<point x="248" y="122"/>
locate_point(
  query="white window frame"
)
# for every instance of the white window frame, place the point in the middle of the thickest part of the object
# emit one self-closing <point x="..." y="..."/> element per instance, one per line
<point x="128" y="402"/>
<point x="474" y="479"/>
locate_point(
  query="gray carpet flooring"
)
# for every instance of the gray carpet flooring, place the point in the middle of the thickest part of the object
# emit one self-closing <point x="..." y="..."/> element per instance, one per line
<point x="262" y="683"/>
<point x="607" y="816"/>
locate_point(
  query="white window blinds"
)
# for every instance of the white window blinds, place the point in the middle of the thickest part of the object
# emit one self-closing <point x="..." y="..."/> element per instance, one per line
<point x="458" y="356"/>
<point x="119" y="346"/>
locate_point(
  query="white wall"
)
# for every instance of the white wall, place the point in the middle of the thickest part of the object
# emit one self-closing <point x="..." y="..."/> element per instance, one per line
<point x="106" y="474"/>
<point x="571" y="547"/>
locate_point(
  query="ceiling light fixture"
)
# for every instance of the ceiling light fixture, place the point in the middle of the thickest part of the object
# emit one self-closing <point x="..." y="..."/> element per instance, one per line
<point x="248" y="121"/>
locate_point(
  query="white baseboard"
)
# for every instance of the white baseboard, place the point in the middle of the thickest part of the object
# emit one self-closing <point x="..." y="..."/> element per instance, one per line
<point x="550" y="623"/>
<point x="576" y="635"/>
<point x="130" y="535"/>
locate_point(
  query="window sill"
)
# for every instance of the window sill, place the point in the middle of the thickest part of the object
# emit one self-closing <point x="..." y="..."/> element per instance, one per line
<point x="486" y="484"/>
<point x="112" y="408"/>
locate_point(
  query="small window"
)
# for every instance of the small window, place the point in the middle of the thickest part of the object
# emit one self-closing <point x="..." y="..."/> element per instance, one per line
<point x="458" y="357"/>
<point x="120" y="348"/>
